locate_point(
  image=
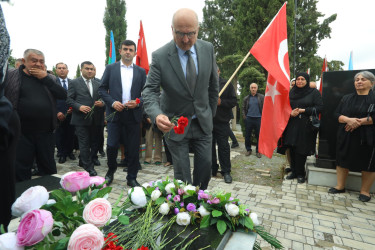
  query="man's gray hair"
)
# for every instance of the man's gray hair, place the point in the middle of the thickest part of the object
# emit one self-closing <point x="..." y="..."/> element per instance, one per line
<point x="35" y="51"/>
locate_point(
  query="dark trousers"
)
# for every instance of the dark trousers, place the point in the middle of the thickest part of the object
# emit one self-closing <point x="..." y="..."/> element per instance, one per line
<point x="65" y="137"/>
<point x="252" y="123"/>
<point x="220" y="136"/>
<point x="130" y="129"/>
<point x="39" y="145"/>
<point x="101" y="139"/>
<point x="297" y="162"/>
<point x="202" y="147"/>
<point x="88" y="144"/>
<point x="8" y="146"/>
<point x="232" y="136"/>
<point x="167" y="153"/>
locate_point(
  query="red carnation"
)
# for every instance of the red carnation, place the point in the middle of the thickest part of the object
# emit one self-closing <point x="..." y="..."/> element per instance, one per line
<point x="179" y="129"/>
<point x="70" y="108"/>
<point x="182" y="121"/>
<point x="137" y="101"/>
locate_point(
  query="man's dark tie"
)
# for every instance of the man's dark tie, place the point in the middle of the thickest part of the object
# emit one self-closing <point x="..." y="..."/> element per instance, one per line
<point x="88" y="85"/>
<point x="64" y="85"/>
<point x="191" y="73"/>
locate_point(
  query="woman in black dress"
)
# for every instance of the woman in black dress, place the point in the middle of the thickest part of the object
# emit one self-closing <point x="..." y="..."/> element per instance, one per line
<point x="355" y="137"/>
<point x="299" y="136"/>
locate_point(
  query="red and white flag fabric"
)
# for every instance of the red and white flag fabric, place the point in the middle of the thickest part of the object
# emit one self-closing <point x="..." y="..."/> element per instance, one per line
<point x="142" y="58"/>
<point x="271" y="51"/>
<point x="324" y="69"/>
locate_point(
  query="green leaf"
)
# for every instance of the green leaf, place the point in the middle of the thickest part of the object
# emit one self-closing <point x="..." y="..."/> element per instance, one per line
<point x="59" y="194"/>
<point x="205" y="221"/>
<point x="216" y="213"/>
<point x="221" y="226"/>
<point x="160" y="201"/>
<point x="62" y="244"/>
<point x="213" y="220"/>
<point x="249" y="223"/>
<point x="101" y="193"/>
<point x="123" y="219"/>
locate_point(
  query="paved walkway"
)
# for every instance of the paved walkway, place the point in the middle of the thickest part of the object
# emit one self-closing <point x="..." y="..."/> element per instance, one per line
<point x="302" y="216"/>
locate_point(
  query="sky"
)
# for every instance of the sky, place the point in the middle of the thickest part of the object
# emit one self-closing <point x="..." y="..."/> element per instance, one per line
<point x="72" y="31"/>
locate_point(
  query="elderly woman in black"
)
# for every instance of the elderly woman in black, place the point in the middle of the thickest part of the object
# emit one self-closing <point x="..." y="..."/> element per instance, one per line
<point x="299" y="136"/>
<point x="355" y="137"/>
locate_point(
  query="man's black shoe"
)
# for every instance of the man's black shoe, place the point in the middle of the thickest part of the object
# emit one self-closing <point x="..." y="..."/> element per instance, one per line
<point x="133" y="183"/>
<point x="96" y="162"/>
<point x="301" y="179"/>
<point x="214" y="172"/>
<point x="109" y="178"/>
<point x="235" y="145"/>
<point x="80" y="163"/>
<point x="227" y="178"/>
<point x="102" y="153"/>
<point x="92" y="172"/>
<point x="125" y="169"/>
<point x="291" y="176"/>
<point x="288" y="170"/>
<point x="62" y="159"/>
<point x="72" y="157"/>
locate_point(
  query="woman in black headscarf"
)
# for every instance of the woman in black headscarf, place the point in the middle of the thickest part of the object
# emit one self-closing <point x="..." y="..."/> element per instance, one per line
<point x="299" y="135"/>
<point x="355" y="147"/>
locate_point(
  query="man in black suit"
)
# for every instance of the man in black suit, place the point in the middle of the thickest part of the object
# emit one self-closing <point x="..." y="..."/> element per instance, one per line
<point x="87" y="115"/>
<point x="65" y="131"/>
<point x="121" y="85"/>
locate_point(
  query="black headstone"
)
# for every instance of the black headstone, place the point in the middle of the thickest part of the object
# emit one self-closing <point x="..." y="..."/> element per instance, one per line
<point x="336" y="84"/>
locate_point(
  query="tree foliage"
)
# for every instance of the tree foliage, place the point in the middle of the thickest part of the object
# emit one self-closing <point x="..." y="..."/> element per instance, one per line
<point x="114" y="19"/>
<point x="78" y="72"/>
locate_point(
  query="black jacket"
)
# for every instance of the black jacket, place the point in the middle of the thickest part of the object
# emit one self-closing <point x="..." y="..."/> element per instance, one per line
<point x="228" y="101"/>
<point x="245" y="104"/>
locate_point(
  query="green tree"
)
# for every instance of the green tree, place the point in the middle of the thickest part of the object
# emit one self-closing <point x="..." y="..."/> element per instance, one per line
<point x="78" y="72"/>
<point x="114" y="19"/>
<point x="11" y="60"/>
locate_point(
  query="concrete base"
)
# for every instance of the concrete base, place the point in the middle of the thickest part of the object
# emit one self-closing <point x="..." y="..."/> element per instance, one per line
<point x="328" y="178"/>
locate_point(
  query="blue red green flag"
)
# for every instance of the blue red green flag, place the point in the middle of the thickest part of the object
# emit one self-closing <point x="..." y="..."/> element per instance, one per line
<point x="112" y="50"/>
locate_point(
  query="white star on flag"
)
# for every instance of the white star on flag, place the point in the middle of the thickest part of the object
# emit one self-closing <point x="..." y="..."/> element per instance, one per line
<point x="272" y="91"/>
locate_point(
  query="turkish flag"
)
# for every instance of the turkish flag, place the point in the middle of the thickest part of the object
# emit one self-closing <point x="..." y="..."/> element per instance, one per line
<point x="271" y="51"/>
<point x="142" y="58"/>
<point x="324" y="69"/>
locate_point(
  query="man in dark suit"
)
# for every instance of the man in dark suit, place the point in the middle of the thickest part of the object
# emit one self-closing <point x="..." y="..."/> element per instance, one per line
<point x="186" y="71"/>
<point x="121" y="85"/>
<point x="87" y="115"/>
<point x="65" y="131"/>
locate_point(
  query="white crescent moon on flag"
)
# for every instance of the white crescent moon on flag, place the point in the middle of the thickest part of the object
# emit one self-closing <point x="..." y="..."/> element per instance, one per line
<point x="283" y="49"/>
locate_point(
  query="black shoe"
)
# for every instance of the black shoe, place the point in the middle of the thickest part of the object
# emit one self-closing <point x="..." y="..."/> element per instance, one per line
<point x="102" y="153"/>
<point x="62" y="159"/>
<point x="133" y="183"/>
<point x="364" y="198"/>
<point x="72" y="157"/>
<point x="80" y="164"/>
<point x="58" y="154"/>
<point x="288" y="170"/>
<point x="96" y="162"/>
<point x="259" y="155"/>
<point x="227" y="178"/>
<point x="291" y="176"/>
<point x="35" y="172"/>
<point x="235" y="145"/>
<point x="300" y="179"/>
<point x="122" y="163"/>
<point x="336" y="191"/>
<point x="109" y="177"/>
<point x="92" y="172"/>
<point x="125" y="169"/>
<point x="214" y="172"/>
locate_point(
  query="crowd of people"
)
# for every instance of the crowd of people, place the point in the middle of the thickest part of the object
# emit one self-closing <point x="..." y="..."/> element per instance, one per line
<point x="44" y="111"/>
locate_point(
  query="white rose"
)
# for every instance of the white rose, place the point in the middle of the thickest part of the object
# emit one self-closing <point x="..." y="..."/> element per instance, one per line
<point x="164" y="208"/>
<point x="183" y="218"/>
<point x="138" y="197"/>
<point x="168" y="187"/>
<point x="32" y="198"/>
<point x="155" y="195"/>
<point x="8" y="241"/>
<point x="189" y="187"/>
<point x="232" y="209"/>
<point x="203" y="211"/>
<point x="146" y="185"/>
<point x="254" y="218"/>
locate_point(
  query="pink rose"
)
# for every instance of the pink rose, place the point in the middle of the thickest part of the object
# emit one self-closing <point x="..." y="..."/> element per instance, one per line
<point x="32" y="198"/>
<point x="97" y="180"/>
<point x="97" y="212"/>
<point x="86" y="236"/>
<point x="75" y="181"/>
<point x="34" y="227"/>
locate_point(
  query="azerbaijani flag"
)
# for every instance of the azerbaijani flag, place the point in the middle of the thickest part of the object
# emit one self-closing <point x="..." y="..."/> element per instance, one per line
<point x="112" y="50"/>
<point x="351" y="61"/>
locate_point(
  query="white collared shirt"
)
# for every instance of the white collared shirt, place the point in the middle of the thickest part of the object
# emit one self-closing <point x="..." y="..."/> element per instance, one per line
<point x="126" y="81"/>
<point x="66" y="82"/>
<point x="90" y="84"/>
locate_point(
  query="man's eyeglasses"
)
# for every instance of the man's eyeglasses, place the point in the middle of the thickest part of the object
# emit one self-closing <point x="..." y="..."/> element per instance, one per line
<point x="181" y="34"/>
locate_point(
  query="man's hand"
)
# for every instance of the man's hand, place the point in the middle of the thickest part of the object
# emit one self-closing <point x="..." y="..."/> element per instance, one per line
<point x="131" y="104"/>
<point x="38" y="73"/>
<point x="118" y="106"/>
<point x="84" y="109"/>
<point x="60" y="116"/>
<point x="99" y="104"/>
<point x="163" y="123"/>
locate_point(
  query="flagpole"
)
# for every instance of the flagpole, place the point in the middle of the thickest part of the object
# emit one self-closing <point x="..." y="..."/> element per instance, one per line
<point x="235" y="72"/>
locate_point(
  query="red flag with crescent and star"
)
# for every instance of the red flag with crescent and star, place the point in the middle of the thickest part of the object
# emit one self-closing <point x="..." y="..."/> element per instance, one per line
<point x="142" y="58"/>
<point x="271" y="51"/>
